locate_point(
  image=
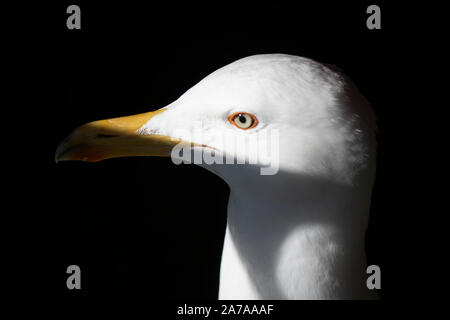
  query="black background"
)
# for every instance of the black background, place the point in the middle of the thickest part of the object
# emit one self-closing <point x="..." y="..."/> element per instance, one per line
<point x="143" y="227"/>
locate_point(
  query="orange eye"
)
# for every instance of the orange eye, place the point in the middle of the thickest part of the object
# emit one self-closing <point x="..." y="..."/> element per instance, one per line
<point x="243" y="120"/>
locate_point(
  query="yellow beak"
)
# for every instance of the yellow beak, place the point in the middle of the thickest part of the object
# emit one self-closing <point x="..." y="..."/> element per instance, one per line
<point x="112" y="138"/>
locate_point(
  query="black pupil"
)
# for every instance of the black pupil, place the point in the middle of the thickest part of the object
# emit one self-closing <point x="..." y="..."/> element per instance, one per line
<point x="242" y="118"/>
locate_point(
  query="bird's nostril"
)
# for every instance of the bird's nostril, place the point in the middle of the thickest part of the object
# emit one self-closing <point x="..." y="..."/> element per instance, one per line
<point x="103" y="135"/>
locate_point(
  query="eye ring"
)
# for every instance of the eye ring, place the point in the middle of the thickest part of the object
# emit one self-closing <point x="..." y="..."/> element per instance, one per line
<point x="243" y="120"/>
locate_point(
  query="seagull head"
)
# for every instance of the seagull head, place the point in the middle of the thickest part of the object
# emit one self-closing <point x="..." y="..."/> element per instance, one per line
<point x="259" y="116"/>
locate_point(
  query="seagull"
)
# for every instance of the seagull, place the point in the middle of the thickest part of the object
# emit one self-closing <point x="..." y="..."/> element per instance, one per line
<point x="295" y="141"/>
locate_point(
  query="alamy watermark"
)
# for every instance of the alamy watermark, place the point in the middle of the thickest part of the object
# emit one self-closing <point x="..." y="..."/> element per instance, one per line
<point x="74" y="19"/>
<point x="374" y="20"/>
<point x="260" y="148"/>
<point x="374" y="280"/>
<point x="74" y="279"/>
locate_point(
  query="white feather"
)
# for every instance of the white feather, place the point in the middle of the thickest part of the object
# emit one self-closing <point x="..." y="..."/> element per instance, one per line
<point x="298" y="234"/>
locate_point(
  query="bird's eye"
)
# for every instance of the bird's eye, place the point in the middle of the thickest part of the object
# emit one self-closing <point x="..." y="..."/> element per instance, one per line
<point x="243" y="120"/>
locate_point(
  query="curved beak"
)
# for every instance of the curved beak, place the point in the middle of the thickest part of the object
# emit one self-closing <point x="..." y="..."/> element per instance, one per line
<point x="112" y="138"/>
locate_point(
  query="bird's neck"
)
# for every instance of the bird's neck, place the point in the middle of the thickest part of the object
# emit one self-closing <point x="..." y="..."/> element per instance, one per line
<point x="292" y="250"/>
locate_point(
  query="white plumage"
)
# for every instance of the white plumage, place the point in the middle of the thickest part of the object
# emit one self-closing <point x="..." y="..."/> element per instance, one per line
<point x="297" y="234"/>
